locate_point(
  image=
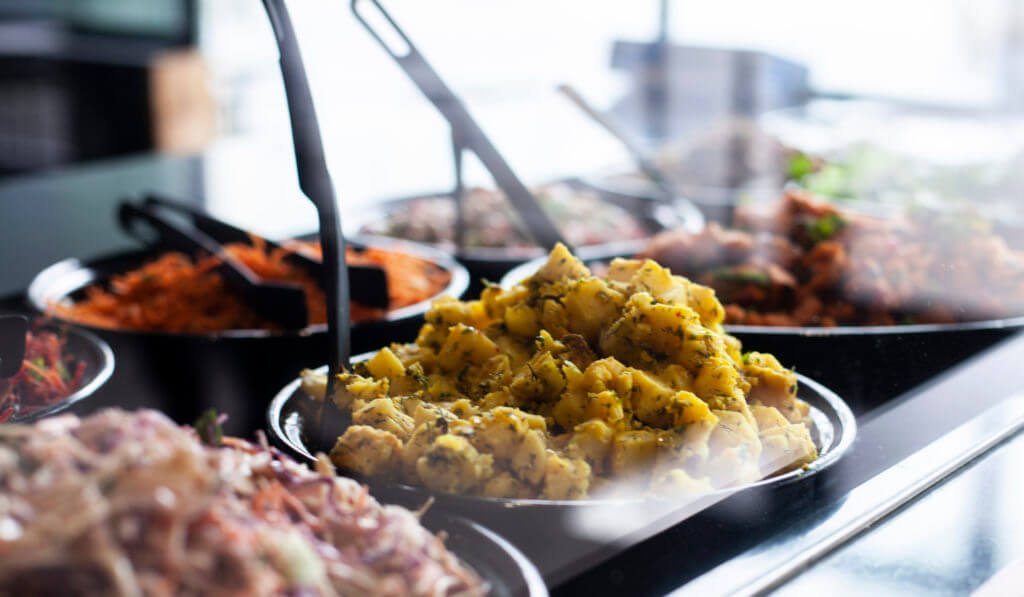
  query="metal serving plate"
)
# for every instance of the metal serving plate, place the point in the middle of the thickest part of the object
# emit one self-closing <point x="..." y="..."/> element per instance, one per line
<point x="234" y="371"/>
<point x="99" y="365"/>
<point x="493" y="262"/>
<point x="834" y="431"/>
<point x="564" y="537"/>
<point x="868" y="365"/>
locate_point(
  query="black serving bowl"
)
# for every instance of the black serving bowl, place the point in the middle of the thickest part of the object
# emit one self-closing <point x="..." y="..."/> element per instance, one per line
<point x="234" y="371"/>
<point x="867" y="365"/>
<point x="492" y="263"/>
<point x="84" y="347"/>
<point x="561" y="536"/>
<point x="503" y="567"/>
<point x="716" y="203"/>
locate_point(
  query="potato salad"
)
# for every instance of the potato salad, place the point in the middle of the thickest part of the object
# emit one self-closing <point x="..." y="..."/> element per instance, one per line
<point x="571" y="386"/>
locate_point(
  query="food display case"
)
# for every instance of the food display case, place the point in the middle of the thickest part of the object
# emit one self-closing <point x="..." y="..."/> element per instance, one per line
<point x="799" y="377"/>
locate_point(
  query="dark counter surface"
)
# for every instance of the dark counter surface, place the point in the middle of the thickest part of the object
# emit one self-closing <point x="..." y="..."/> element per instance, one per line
<point x="63" y="213"/>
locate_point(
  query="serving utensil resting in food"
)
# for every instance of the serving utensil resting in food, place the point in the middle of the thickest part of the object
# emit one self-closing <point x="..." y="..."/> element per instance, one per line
<point x="640" y="157"/>
<point x="315" y="182"/>
<point x="279" y="302"/>
<point x="466" y="133"/>
<point x="368" y="284"/>
<point x="12" y="344"/>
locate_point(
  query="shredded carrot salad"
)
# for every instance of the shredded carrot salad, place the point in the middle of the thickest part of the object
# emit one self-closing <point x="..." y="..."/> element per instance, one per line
<point x="175" y="293"/>
<point x="47" y="375"/>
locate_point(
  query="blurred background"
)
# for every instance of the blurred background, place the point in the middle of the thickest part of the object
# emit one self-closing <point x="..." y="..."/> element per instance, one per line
<point x="84" y="80"/>
<point x="87" y="80"/>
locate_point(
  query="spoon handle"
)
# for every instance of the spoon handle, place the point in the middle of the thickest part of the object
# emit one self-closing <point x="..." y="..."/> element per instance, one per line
<point x="640" y="157"/>
<point x="464" y="127"/>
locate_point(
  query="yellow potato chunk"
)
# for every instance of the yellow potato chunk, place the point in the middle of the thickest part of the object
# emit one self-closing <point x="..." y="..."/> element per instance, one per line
<point x="465" y="345"/>
<point x="565" y="479"/>
<point x="633" y="451"/>
<point x="561" y="264"/>
<point x="785" y="448"/>
<point x="385" y="364"/>
<point x="367" y="451"/>
<point x="500" y="431"/>
<point x="452" y="465"/>
<point x="767" y="417"/>
<point x="540" y="379"/>
<point x="733" y="430"/>
<point x="772" y="384"/>
<point x="529" y="457"/>
<point x="314" y="384"/>
<point x="352" y="389"/>
<point x="384" y="414"/>
<point x="679" y="482"/>
<point x="590" y="304"/>
<point x="522" y="320"/>
<point x="660" y="406"/>
<point x="505" y="485"/>
<point x="592" y="442"/>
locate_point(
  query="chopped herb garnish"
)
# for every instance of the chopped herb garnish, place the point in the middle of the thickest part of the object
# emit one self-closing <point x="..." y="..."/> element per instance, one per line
<point x="823" y="228"/>
<point x="740" y="276"/>
<point x="208" y="426"/>
<point x="799" y="166"/>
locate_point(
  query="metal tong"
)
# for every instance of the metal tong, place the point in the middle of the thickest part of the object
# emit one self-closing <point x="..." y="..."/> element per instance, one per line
<point x="368" y="283"/>
<point x="466" y="135"/>
<point x="315" y="182"/>
<point x="640" y="156"/>
<point x="13" y="329"/>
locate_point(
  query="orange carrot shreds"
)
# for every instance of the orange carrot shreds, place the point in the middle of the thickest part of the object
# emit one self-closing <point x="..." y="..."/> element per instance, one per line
<point x="47" y="376"/>
<point x="175" y="293"/>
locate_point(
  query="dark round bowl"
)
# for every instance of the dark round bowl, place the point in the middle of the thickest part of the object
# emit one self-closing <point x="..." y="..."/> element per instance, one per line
<point x="493" y="262"/>
<point x="99" y="365"/>
<point x="234" y="371"/>
<point x="868" y="365"/>
<point x="503" y="567"/>
<point x="564" y="536"/>
<point x="716" y="203"/>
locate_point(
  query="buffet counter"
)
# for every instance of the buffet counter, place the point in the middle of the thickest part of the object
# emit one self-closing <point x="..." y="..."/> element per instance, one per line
<point x="922" y="500"/>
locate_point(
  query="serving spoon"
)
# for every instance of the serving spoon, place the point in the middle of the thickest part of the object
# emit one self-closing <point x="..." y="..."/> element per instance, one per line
<point x="466" y="133"/>
<point x="315" y="182"/>
<point x="639" y="155"/>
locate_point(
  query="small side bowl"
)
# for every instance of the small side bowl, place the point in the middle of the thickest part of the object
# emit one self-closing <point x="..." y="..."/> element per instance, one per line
<point x="99" y="366"/>
<point x="493" y="262"/>
<point x="499" y="563"/>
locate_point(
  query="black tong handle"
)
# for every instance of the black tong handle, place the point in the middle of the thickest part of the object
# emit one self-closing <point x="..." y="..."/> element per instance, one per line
<point x="281" y="303"/>
<point x="465" y="129"/>
<point x="13" y="329"/>
<point x="218" y="230"/>
<point x="368" y="283"/>
<point x="315" y="182"/>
